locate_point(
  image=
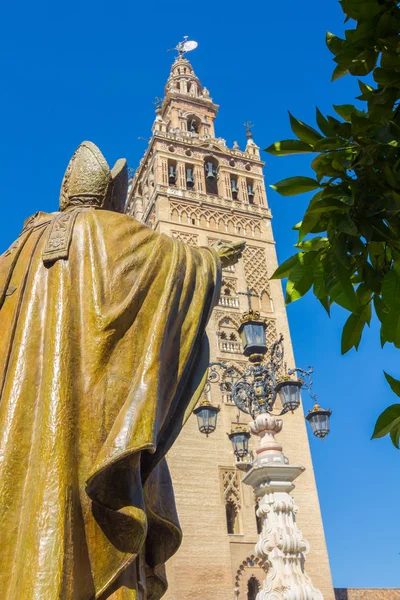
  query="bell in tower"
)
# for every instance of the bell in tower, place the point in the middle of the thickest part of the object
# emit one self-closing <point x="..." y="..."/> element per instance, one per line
<point x="211" y="171"/>
<point x="234" y="189"/>
<point x="189" y="178"/>
<point x="171" y="174"/>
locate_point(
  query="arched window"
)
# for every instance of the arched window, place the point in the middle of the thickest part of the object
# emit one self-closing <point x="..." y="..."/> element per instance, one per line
<point x="193" y="123"/>
<point x="211" y="174"/>
<point x="266" y="303"/>
<point x="232" y="517"/>
<point x="227" y="292"/>
<point x="253" y="588"/>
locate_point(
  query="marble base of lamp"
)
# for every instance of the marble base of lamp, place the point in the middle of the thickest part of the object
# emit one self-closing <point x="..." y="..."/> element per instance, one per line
<point x="281" y="545"/>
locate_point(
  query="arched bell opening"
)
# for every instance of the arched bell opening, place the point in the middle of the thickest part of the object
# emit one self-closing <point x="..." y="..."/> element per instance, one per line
<point x="211" y="175"/>
<point x="193" y="123"/>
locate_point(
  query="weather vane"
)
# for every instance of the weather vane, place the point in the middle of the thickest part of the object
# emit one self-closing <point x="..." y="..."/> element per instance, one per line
<point x="248" y="125"/>
<point x="185" y="46"/>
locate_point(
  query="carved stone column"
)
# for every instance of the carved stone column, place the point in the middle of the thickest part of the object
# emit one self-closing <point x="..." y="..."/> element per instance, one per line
<point x="281" y="545"/>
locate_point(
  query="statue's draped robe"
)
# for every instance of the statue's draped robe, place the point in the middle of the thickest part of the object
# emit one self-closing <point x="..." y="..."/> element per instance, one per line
<point x="102" y="358"/>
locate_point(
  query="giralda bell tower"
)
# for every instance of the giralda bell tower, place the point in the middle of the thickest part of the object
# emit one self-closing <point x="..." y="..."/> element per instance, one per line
<point x="191" y="186"/>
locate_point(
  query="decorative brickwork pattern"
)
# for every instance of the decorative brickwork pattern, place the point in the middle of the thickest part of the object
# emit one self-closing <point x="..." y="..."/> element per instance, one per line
<point x="231" y="486"/>
<point x="191" y="239"/>
<point x="213" y="219"/>
<point x="256" y="271"/>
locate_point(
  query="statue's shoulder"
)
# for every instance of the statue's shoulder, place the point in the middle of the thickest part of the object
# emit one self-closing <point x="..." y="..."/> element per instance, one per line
<point x="117" y="219"/>
<point x="39" y="218"/>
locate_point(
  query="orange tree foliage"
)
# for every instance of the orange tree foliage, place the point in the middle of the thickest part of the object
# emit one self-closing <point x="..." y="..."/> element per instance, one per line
<point x="349" y="238"/>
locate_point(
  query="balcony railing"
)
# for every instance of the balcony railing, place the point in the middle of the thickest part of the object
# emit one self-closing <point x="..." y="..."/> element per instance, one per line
<point x="230" y="346"/>
<point x="229" y="301"/>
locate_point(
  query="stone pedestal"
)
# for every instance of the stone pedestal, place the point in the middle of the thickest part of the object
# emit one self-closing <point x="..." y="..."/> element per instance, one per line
<point x="281" y="545"/>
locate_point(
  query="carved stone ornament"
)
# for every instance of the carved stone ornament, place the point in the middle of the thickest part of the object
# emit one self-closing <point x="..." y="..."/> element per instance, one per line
<point x="281" y="545"/>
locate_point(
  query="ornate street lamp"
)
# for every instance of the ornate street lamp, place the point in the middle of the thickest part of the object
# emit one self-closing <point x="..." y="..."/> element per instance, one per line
<point x="270" y="473"/>
<point x="257" y="389"/>
<point x="319" y="421"/>
<point x="239" y="437"/>
<point x="252" y="331"/>
<point x="289" y="393"/>
<point x="206" y="415"/>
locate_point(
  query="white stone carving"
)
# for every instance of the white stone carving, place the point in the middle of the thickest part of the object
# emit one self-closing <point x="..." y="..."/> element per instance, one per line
<point x="281" y="545"/>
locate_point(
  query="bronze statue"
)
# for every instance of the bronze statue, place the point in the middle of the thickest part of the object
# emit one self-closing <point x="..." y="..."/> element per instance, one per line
<point x="103" y="356"/>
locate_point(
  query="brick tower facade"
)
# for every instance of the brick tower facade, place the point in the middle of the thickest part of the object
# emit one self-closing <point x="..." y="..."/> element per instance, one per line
<point x="191" y="186"/>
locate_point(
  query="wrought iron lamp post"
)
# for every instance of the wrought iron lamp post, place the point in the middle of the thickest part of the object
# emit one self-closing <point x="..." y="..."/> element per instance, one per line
<point x="257" y="389"/>
<point x="281" y="545"/>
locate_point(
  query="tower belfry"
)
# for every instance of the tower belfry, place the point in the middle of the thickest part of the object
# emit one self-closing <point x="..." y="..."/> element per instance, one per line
<point x="192" y="186"/>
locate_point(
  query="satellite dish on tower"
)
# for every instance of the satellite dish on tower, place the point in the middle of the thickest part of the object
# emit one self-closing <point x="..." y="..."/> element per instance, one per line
<point x="184" y="46"/>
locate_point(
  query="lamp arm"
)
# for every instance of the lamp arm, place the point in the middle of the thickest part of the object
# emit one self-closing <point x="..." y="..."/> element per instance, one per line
<point x="305" y="378"/>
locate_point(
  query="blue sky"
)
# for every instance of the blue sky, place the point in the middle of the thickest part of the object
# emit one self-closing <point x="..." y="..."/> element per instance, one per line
<point x="73" y="71"/>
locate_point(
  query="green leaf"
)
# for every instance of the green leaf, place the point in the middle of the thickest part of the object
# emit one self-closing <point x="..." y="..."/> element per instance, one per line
<point x="379" y="308"/>
<point x="284" y="269"/>
<point x="386" y="76"/>
<point x="391" y="327"/>
<point x="286" y="147"/>
<point x="388" y="420"/>
<point x="295" y="185"/>
<point x="327" y="205"/>
<point x="346" y="225"/>
<point x="319" y="288"/>
<point x="395" y="437"/>
<point x="364" y="88"/>
<point x="324" y="125"/>
<point x="361" y="9"/>
<point x="303" y="131"/>
<point x="308" y="223"/>
<point x="370" y="278"/>
<point x="339" y="72"/>
<point x="322" y="164"/>
<point x="352" y="332"/>
<point x="301" y="277"/>
<point x="345" y="111"/>
<point x="364" y="63"/>
<point x="391" y="290"/>
<point x="390" y="177"/>
<point x="315" y="243"/>
<point x="334" y="43"/>
<point x="326" y="304"/>
<point x="340" y="288"/>
<point x="329" y="143"/>
<point x="394" y="383"/>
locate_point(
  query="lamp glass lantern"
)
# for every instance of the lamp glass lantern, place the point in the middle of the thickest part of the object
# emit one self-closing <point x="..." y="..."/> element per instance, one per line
<point x="289" y="394"/>
<point x="206" y="415"/>
<point x="319" y="420"/>
<point x="252" y="331"/>
<point x="240" y="441"/>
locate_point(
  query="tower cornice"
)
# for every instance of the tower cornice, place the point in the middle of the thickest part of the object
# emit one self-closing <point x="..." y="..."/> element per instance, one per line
<point x="187" y="99"/>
